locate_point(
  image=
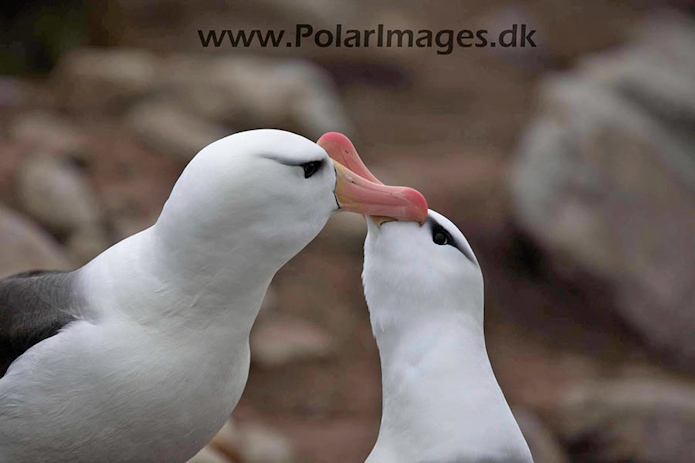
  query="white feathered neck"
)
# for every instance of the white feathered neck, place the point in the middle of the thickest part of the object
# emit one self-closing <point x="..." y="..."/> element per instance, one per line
<point x="441" y="401"/>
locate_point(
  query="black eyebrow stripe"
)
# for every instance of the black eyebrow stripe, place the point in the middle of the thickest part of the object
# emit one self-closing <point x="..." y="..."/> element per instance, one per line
<point x="288" y="162"/>
<point x="434" y="224"/>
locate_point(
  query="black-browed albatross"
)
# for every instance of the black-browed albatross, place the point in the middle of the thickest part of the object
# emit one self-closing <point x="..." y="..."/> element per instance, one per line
<point x="424" y="290"/>
<point x="441" y="401"/>
<point x="142" y="354"/>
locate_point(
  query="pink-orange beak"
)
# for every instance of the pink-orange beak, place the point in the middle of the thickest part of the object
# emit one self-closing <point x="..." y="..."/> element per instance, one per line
<point x="357" y="190"/>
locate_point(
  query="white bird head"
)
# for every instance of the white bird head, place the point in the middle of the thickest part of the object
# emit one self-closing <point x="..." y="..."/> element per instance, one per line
<point x="416" y="273"/>
<point x="269" y="193"/>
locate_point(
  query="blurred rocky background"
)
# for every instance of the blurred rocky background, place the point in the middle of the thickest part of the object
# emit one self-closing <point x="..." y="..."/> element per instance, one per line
<point x="570" y="167"/>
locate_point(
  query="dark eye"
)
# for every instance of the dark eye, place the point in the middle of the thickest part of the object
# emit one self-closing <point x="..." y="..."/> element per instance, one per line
<point x="441" y="237"/>
<point x="310" y="168"/>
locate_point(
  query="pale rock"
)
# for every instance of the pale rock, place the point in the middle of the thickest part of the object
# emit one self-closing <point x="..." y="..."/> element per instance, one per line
<point x="544" y="446"/>
<point x="634" y="420"/>
<point x="166" y="128"/>
<point x="279" y="341"/>
<point x="25" y="246"/>
<point x="259" y="444"/>
<point x="56" y="193"/>
<point x="252" y="443"/>
<point x="248" y="92"/>
<point x="226" y="441"/>
<point x="656" y="69"/>
<point x="104" y="80"/>
<point x="46" y="131"/>
<point x="607" y="184"/>
<point x="315" y="104"/>
<point x="208" y="455"/>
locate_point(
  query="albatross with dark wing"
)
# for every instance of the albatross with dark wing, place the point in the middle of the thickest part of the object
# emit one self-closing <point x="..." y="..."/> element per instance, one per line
<point x="142" y="354"/>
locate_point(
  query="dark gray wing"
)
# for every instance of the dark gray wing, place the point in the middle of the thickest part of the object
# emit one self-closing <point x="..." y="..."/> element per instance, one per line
<point x="33" y="306"/>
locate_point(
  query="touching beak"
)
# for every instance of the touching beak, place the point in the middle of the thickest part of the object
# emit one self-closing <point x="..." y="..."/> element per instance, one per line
<point x="357" y="190"/>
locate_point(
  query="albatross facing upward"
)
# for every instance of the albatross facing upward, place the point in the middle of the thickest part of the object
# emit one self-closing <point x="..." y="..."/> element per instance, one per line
<point x="441" y="401"/>
<point x="142" y="354"/>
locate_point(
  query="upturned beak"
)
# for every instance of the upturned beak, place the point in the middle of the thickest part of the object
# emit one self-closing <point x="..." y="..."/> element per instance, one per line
<point x="357" y="190"/>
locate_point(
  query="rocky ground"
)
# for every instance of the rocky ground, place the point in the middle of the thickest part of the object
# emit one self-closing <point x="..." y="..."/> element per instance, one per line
<point x="568" y="167"/>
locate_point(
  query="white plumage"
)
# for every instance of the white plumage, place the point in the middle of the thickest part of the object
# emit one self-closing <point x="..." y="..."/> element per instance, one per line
<point x="441" y="401"/>
<point x="153" y="352"/>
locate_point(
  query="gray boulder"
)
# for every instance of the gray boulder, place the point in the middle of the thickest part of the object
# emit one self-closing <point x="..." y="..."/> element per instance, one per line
<point x="249" y="92"/>
<point x="630" y="420"/>
<point x="606" y="183"/>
